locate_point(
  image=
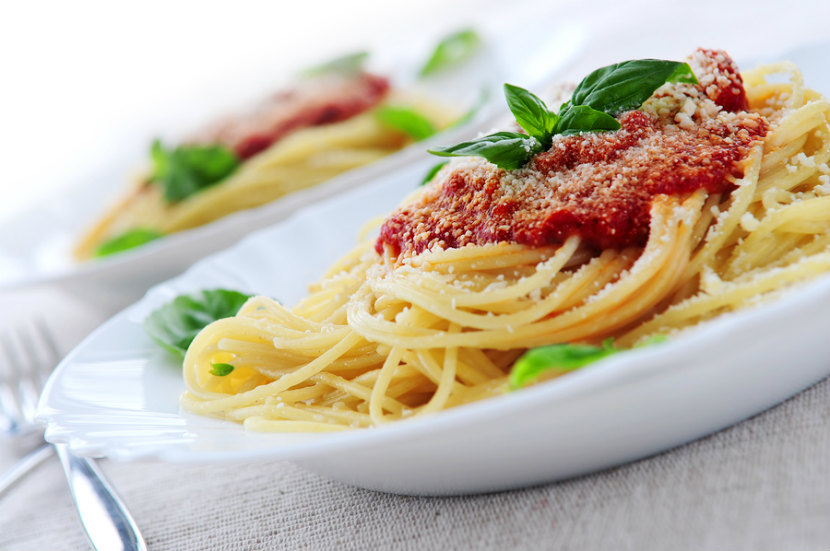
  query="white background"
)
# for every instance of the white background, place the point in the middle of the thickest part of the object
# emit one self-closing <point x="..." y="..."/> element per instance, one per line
<point x="85" y="79"/>
<point x="84" y="82"/>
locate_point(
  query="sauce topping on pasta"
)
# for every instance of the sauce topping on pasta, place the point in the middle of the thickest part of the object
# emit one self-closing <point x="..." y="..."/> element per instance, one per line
<point x="322" y="100"/>
<point x="596" y="185"/>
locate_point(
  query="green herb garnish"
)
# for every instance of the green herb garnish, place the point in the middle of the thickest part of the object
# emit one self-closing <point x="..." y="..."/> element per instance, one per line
<point x="563" y="358"/>
<point x="345" y="65"/>
<point x="188" y="169"/>
<point x="127" y="240"/>
<point x="626" y="85"/>
<point x="176" y="324"/>
<point x="600" y="96"/>
<point x="557" y="357"/>
<point x="531" y="113"/>
<point x="405" y="120"/>
<point x="432" y="172"/>
<point x="451" y="50"/>
<point x="507" y="150"/>
<point x="581" y="118"/>
<point x="221" y="369"/>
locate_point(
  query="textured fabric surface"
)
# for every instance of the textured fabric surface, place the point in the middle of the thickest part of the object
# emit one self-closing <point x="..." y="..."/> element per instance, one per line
<point x="762" y="484"/>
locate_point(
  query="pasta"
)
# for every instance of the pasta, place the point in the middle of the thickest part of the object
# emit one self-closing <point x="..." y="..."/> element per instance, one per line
<point x="433" y="315"/>
<point x="297" y="139"/>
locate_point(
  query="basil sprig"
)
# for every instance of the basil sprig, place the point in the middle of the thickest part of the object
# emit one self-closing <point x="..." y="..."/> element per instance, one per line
<point x="563" y="358"/>
<point x="187" y="169"/>
<point x="176" y="324"/>
<point x="127" y="240"/>
<point x="626" y="85"/>
<point x="508" y="150"/>
<point x="531" y="112"/>
<point x="600" y="96"/>
<point x="451" y="50"/>
<point x="348" y="64"/>
<point x="582" y="118"/>
<point x="405" y="120"/>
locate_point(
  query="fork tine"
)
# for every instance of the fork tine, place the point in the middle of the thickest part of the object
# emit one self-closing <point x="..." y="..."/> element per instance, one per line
<point x="9" y="401"/>
<point x="34" y="366"/>
<point x="27" y="356"/>
<point x="50" y="348"/>
<point x="10" y="414"/>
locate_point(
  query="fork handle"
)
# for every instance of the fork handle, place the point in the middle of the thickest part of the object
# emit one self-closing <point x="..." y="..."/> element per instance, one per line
<point x="106" y="521"/>
<point x="29" y="462"/>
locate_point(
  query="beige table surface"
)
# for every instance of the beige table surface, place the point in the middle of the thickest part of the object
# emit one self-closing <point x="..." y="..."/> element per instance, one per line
<point x="761" y="484"/>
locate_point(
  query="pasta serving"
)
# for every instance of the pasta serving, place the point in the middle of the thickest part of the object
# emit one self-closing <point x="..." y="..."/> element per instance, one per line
<point x="321" y="127"/>
<point x="713" y="195"/>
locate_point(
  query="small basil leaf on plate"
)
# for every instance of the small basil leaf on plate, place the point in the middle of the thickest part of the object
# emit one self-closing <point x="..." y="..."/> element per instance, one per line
<point x="581" y="118"/>
<point x="405" y="120"/>
<point x="557" y="357"/>
<point x="626" y="85"/>
<point x="176" y="324"/>
<point x="531" y="112"/>
<point x="187" y="169"/>
<point x="432" y="172"/>
<point x="345" y="65"/>
<point x="451" y="50"/>
<point x="507" y="150"/>
<point x="127" y="240"/>
<point x="221" y="369"/>
<point x="563" y="358"/>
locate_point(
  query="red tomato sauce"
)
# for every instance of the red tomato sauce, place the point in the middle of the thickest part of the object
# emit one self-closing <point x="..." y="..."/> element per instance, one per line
<point x="596" y="185"/>
<point x="323" y="100"/>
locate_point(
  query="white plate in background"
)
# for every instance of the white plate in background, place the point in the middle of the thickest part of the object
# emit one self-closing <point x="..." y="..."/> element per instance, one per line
<point x="35" y="245"/>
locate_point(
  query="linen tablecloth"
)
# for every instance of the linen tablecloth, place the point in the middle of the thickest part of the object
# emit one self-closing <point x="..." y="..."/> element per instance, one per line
<point x="761" y="484"/>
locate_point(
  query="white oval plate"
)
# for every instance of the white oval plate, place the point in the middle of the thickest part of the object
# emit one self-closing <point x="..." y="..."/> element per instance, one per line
<point x="117" y="393"/>
<point x="35" y="245"/>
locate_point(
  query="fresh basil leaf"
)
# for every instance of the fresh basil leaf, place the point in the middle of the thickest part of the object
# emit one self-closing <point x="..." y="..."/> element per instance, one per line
<point x="432" y="172"/>
<point x="186" y="170"/>
<point x="604" y="93"/>
<point x="626" y="85"/>
<point x="531" y="113"/>
<point x="581" y="118"/>
<point x="507" y="150"/>
<point x="452" y="50"/>
<point x="176" y="324"/>
<point x="405" y="120"/>
<point x="127" y="240"/>
<point x="221" y="369"/>
<point x="345" y="65"/>
<point x="683" y="73"/>
<point x="564" y="357"/>
<point x="558" y="357"/>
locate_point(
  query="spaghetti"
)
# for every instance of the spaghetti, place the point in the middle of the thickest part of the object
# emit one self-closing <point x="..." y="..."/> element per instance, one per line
<point x="296" y="139"/>
<point x="430" y="317"/>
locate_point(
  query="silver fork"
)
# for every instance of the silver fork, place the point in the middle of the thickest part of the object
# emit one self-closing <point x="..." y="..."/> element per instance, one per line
<point x="27" y="355"/>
